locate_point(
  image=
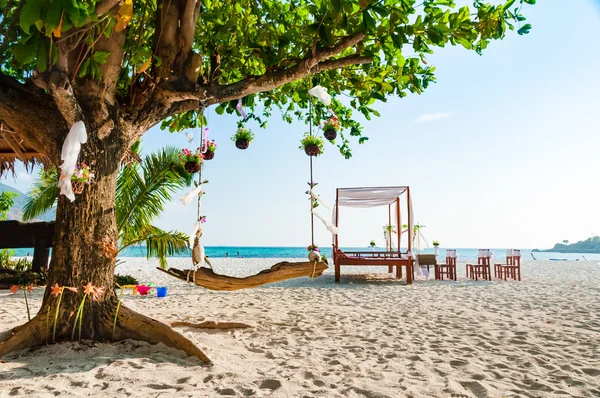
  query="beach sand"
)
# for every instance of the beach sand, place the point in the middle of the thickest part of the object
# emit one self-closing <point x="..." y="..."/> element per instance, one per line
<point x="361" y="338"/>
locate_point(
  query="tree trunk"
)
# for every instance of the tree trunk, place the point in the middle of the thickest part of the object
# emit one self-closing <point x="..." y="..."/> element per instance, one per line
<point x="84" y="251"/>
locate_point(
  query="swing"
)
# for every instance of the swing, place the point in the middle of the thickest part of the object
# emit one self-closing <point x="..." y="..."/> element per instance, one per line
<point x="207" y="278"/>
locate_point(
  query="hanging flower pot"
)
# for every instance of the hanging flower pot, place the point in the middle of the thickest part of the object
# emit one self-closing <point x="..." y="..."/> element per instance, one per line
<point x="331" y="127"/>
<point x="242" y="138"/>
<point x="77" y="187"/>
<point x="211" y="147"/>
<point x="81" y="176"/>
<point x="312" y="145"/>
<point x="242" y="143"/>
<point x="330" y="134"/>
<point x="192" y="161"/>
<point x="192" y="167"/>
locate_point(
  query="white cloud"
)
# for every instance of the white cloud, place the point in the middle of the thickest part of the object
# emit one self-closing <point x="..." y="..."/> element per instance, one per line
<point x="431" y="117"/>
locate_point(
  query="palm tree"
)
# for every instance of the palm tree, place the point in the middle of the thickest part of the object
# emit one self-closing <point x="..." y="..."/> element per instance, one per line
<point x="143" y="189"/>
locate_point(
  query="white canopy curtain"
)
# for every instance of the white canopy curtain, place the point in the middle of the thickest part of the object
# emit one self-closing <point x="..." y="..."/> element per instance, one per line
<point x="374" y="197"/>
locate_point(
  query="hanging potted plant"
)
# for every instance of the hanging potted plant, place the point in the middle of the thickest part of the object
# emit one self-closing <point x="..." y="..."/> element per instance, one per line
<point x="192" y="161"/>
<point x="312" y="145"/>
<point x="242" y="137"/>
<point x="331" y="127"/>
<point x="81" y="176"/>
<point x="314" y="254"/>
<point x="211" y="147"/>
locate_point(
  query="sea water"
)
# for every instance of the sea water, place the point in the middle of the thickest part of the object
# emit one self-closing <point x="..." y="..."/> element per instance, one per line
<point x="299" y="252"/>
<point x="465" y="254"/>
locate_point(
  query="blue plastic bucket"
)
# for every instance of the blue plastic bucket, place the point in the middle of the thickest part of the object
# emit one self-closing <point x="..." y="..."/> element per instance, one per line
<point x="161" y="291"/>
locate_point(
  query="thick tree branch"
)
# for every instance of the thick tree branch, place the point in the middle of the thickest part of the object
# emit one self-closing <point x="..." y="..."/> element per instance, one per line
<point x="59" y="86"/>
<point x="318" y="61"/>
<point x="270" y="81"/>
<point x="32" y="115"/>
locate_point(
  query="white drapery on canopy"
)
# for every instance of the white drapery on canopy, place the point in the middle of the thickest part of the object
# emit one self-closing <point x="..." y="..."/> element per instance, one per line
<point x="369" y="197"/>
<point x="374" y="197"/>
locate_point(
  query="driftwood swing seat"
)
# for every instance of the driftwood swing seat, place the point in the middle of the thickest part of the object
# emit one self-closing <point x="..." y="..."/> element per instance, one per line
<point x="208" y="279"/>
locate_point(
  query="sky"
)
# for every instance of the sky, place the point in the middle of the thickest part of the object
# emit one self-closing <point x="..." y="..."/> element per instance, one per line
<point x="503" y="151"/>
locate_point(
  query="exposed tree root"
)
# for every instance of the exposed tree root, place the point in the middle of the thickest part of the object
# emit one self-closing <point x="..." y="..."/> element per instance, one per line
<point x="130" y="325"/>
<point x="28" y="335"/>
<point x="279" y="272"/>
<point x="211" y="325"/>
<point x="133" y="325"/>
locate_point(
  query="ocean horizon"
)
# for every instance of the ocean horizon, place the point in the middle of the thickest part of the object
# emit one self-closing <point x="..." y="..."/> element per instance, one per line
<point x="300" y="252"/>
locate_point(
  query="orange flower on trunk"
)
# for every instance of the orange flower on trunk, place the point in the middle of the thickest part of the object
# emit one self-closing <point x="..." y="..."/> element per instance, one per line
<point x="14" y="289"/>
<point x="56" y="290"/>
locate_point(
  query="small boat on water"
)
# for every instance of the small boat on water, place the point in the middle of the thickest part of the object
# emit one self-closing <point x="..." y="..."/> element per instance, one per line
<point x="558" y="259"/>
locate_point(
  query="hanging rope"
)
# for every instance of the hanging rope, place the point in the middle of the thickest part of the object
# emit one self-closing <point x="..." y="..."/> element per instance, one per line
<point x="312" y="215"/>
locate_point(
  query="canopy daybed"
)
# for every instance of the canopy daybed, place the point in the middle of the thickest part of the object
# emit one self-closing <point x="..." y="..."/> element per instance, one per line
<point x="376" y="197"/>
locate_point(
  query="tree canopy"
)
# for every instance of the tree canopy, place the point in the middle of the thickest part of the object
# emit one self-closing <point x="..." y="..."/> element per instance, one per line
<point x="182" y="56"/>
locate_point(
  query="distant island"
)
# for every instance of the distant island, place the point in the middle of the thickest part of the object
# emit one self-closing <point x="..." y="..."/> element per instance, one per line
<point x="16" y="212"/>
<point x="590" y="245"/>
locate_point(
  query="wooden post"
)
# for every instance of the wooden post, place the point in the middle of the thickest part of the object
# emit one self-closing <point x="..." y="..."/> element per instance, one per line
<point x="398" y="225"/>
<point x="410" y="227"/>
<point x="41" y="252"/>
<point x="389" y="233"/>
<point x="336" y="245"/>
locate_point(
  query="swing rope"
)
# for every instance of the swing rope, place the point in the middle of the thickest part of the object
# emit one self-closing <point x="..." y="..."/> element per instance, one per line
<point x="312" y="215"/>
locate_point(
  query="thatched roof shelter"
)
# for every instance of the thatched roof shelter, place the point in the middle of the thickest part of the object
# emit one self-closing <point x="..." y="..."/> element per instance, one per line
<point x="14" y="148"/>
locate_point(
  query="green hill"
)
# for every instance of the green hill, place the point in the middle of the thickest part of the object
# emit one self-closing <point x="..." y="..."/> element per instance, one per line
<point x="590" y="245"/>
<point x="16" y="212"/>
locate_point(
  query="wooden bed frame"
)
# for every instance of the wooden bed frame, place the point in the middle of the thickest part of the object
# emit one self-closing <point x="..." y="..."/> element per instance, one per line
<point x="391" y="259"/>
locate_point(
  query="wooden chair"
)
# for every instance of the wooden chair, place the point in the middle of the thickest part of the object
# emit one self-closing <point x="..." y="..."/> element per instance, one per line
<point x="483" y="268"/>
<point x="512" y="268"/>
<point x="425" y="261"/>
<point x="449" y="268"/>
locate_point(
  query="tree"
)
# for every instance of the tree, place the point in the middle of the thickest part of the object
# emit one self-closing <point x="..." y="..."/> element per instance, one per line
<point x="123" y="67"/>
<point x="565" y="242"/>
<point x="143" y="189"/>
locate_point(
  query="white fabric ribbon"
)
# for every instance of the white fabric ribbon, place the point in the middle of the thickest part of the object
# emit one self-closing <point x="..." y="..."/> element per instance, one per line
<point x="332" y="228"/>
<point x="187" y="198"/>
<point x="318" y="198"/>
<point x="321" y="94"/>
<point x="190" y="137"/>
<point x="193" y="234"/>
<point x="69" y="154"/>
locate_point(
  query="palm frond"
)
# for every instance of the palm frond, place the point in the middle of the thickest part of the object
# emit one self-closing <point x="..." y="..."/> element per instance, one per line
<point x="159" y="243"/>
<point x="43" y="196"/>
<point x="144" y="189"/>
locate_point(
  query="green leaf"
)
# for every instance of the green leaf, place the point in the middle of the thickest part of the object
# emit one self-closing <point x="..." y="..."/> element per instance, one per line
<point x="524" y="29"/>
<point x="84" y="68"/>
<point x="100" y="57"/>
<point x="25" y="53"/>
<point x="30" y="14"/>
<point x="368" y="20"/>
<point x="73" y="12"/>
<point x="362" y="140"/>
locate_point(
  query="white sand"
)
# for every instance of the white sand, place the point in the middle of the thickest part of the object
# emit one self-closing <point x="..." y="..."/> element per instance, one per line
<point x="312" y="338"/>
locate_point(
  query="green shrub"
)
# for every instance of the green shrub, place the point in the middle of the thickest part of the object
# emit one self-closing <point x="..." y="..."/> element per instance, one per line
<point x="123" y="280"/>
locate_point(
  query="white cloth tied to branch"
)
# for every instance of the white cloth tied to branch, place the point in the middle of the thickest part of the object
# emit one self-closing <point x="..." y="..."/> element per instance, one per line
<point x="321" y="94"/>
<point x="69" y="154"/>
<point x="318" y="198"/>
<point x="193" y="234"/>
<point x="332" y="228"/>
<point x="187" y="198"/>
